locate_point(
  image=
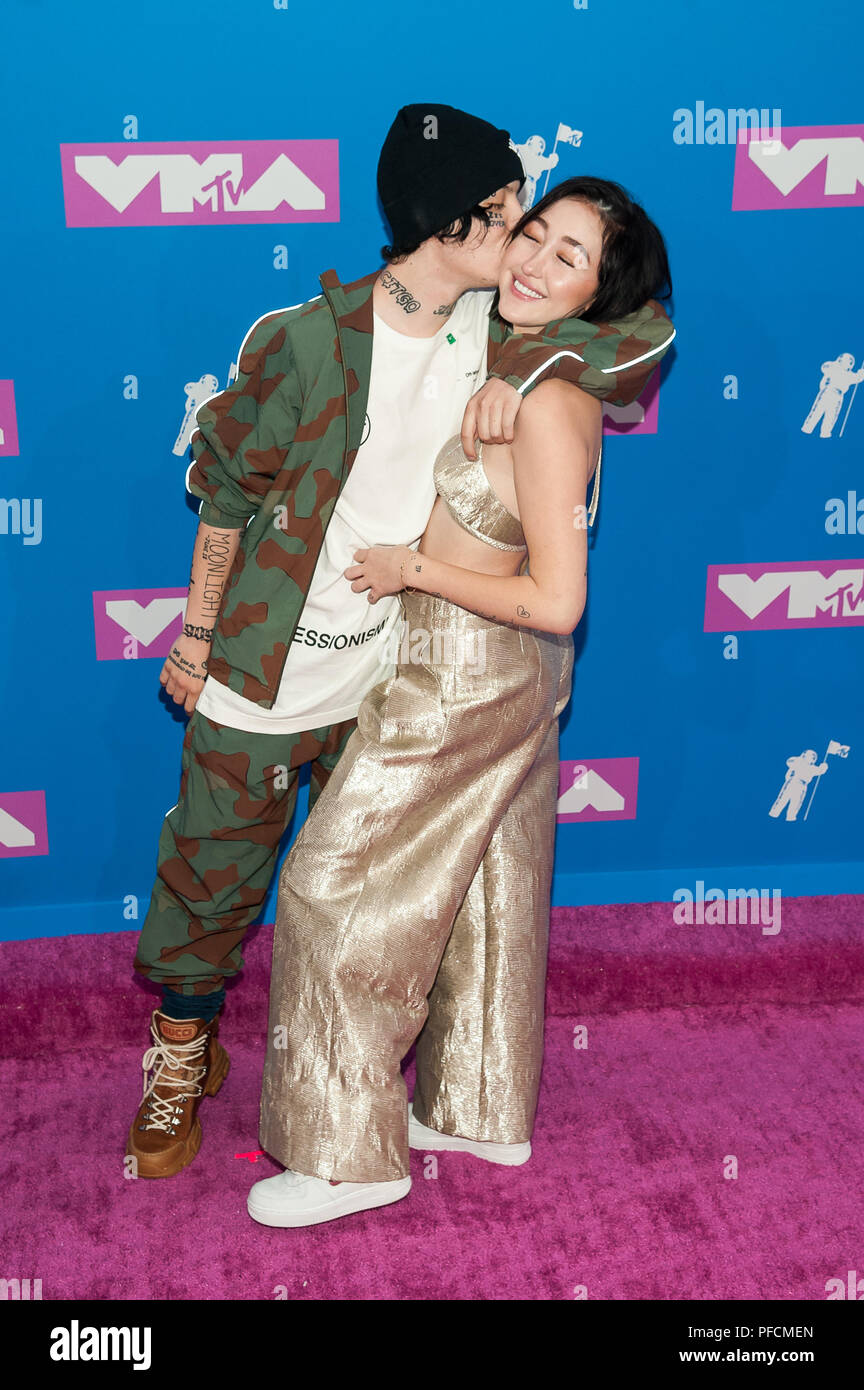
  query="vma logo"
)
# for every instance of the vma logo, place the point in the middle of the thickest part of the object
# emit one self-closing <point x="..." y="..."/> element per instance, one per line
<point x="809" y="167"/>
<point x="640" y="416"/>
<point x="133" y="623"/>
<point x="602" y="789"/>
<point x="817" y="593"/>
<point x="23" y="825"/>
<point x="8" y="420"/>
<point x="200" y="182"/>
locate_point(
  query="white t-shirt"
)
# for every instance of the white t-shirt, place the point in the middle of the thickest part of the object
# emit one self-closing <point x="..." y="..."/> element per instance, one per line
<point x="343" y="645"/>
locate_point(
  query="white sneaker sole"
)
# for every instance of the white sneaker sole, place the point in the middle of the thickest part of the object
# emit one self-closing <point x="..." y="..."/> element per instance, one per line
<point x="510" y="1155"/>
<point x="378" y="1195"/>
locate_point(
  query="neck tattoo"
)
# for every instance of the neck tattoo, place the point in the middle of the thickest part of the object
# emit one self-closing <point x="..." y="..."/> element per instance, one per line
<point x="403" y="296"/>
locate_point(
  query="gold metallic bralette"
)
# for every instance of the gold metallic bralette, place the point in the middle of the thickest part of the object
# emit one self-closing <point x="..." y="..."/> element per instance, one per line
<point x="471" y="501"/>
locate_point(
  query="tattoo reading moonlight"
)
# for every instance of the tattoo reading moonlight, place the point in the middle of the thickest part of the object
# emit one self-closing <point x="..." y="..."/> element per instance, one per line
<point x="215" y="555"/>
<point x="403" y="296"/>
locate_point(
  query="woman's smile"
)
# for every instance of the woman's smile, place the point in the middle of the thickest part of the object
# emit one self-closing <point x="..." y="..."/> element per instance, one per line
<point x="523" y="291"/>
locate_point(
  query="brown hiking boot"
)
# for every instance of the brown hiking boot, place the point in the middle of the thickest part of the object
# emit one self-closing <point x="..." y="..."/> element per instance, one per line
<point x="188" y="1062"/>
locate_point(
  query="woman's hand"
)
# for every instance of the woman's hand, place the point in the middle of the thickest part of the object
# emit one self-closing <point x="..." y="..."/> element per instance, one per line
<point x="490" y="414"/>
<point x="378" y="570"/>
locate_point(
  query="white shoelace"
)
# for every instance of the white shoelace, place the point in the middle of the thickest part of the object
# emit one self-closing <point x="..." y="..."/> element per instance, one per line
<point x="166" y="1057"/>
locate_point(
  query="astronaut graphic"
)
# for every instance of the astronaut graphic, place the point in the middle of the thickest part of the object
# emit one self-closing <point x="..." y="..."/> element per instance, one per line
<point x="837" y="376"/>
<point x="800" y="772"/>
<point x="535" y="161"/>
<point x="197" y="392"/>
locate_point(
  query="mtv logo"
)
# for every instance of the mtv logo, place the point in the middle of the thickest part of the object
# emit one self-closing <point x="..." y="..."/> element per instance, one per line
<point x="602" y="789"/>
<point x="23" y="825"/>
<point x="8" y="421"/>
<point x="137" y="623"/>
<point x="640" y="416"/>
<point x="200" y="182"/>
<point x="808" y="167"/>
<point x="800" y="593"/>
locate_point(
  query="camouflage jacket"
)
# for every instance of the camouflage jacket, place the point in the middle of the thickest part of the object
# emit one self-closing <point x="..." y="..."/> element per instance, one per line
<point x="272" y="452"/>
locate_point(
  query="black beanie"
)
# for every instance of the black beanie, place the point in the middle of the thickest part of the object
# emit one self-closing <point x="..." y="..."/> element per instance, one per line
<point x="432" y="171"/>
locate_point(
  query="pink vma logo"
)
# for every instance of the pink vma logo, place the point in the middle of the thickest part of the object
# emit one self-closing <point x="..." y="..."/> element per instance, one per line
<point x="803" y="593"/>
<point x="8" y="421"/>
<point x="200" y="182"/>
<point x="23" y="825"/>
<point x="602" y="789"/>
<point x="808" y="167"/>
<point x="640" y="416"/>
<point x="137" y="623"/>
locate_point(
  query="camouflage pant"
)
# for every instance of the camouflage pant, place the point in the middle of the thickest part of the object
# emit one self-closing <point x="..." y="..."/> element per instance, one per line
<point x="219" y="845"/>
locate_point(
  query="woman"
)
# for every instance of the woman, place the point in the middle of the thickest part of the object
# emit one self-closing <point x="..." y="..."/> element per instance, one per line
<point x="461" y="741"/>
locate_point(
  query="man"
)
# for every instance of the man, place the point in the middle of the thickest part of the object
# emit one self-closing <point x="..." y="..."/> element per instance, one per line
<point x="297" y="465"/>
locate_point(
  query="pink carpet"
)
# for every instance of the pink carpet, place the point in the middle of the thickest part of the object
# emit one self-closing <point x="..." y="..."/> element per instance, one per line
<point x="706" y="1045"/>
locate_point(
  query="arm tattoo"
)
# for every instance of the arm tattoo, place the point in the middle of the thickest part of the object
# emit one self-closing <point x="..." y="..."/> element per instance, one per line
<point x="523" y="612"/>
<point x="215" y="555"/>
<point x="203" y="634"/>
<point x="404" y="297"/>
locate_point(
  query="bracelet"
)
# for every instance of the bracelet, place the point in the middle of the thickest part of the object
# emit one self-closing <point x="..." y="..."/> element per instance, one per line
<point x="203" y="634"/>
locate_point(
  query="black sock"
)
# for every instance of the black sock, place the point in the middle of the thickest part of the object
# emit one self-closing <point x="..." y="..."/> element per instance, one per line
<point x="184" y="1006"/>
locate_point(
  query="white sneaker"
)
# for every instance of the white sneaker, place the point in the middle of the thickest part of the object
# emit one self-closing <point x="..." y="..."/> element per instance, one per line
<point x="421" y="1137"/>
<point x="292" y="1199"/>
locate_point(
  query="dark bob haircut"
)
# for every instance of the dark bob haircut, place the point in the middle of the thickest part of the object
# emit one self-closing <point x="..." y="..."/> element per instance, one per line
<point x="634" y="266"/>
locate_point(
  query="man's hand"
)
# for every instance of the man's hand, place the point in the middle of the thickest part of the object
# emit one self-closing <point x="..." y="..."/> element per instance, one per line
<point x="378" y="569"/>
<point x="185" y="671"/>
<point x="491" y="414"/>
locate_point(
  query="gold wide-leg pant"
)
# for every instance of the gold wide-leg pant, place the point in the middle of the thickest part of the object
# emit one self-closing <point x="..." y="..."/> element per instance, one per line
<point x="416" y="897"/>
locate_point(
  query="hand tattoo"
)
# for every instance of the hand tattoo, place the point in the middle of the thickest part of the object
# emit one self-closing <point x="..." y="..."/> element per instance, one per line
<point x="187" y="667"/>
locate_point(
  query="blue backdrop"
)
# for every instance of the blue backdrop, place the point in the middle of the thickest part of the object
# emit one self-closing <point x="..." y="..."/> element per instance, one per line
<point x="722" y="636"/>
